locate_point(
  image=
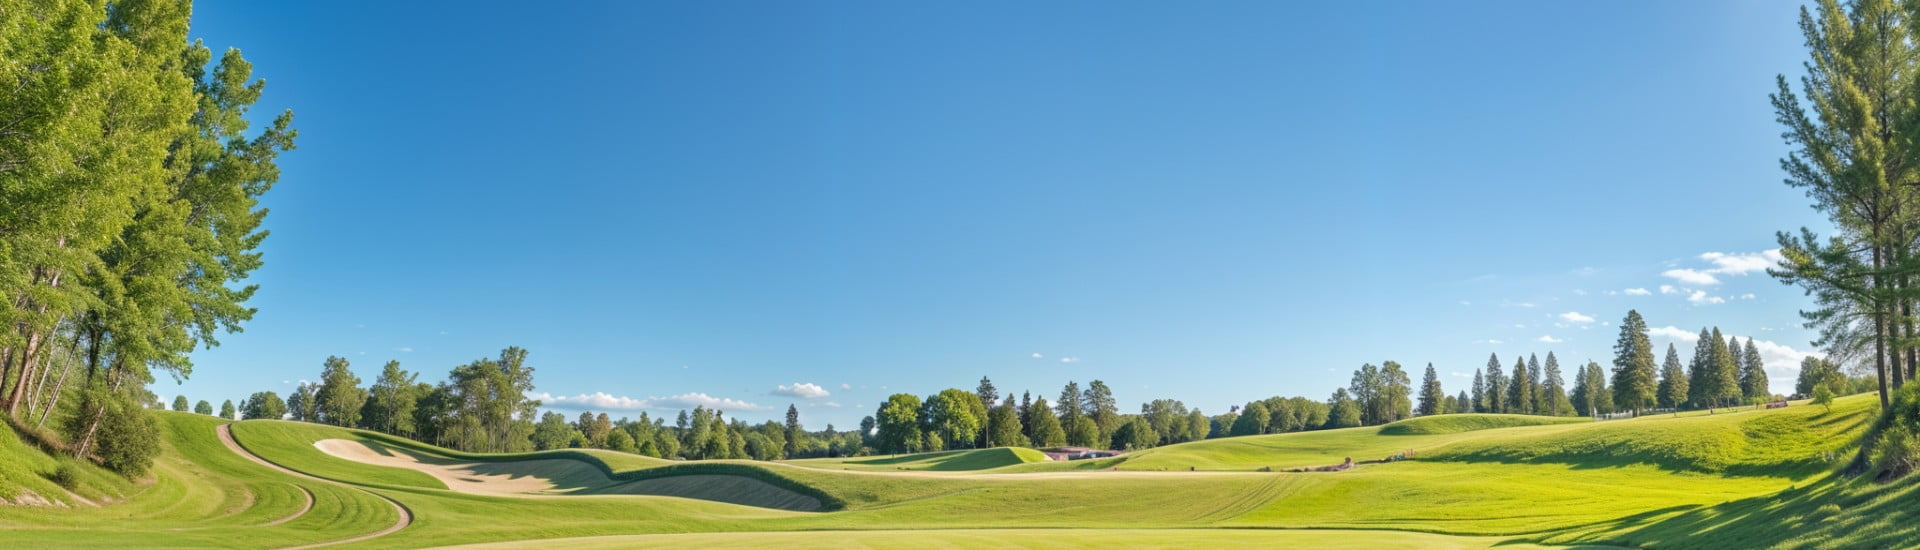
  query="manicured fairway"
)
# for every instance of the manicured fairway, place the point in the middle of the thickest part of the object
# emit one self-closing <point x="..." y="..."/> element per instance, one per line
<point x="1726" y="477"/>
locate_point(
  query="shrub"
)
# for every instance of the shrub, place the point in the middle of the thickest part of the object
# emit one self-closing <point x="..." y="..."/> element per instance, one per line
<point x="66" y="475"/>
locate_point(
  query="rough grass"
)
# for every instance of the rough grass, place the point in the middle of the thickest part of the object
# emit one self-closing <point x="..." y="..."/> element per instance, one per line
<point x="1457" y="423"/>
<point x="1198" y="539"/>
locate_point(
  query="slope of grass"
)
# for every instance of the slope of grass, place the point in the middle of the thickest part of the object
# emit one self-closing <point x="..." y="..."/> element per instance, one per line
<point x="1280" y="451"/>
<point x="1042" y="539"/>
<point x="27" y="473"/>
<point x="943" y="461"/>
<point x="201" y="495"/>
<point x="1456" y="423"/>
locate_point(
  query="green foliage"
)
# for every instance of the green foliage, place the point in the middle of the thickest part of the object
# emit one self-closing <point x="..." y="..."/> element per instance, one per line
<point x="180" y="403"/>
<point x="552" y="432"/>
<point x="391" y="401"/>
<point x="1043" y="427"/>
<point x="340" y="397"/>
<point x="226" y="409"/>
<point x="1823" y="396"/>
<point x="898" y="424"/>
<point x="1673" y="380"/>
<point x="1005" y="429"/>
<point x="1432" y="397"/>
<point x="1253" y="419"/>
<point x="264" y="405"/>
<point x="955" y="415"/>
<point x="203" y="407"/>
<point x="1135" y="434"/>
<point x="1634" y="374"/>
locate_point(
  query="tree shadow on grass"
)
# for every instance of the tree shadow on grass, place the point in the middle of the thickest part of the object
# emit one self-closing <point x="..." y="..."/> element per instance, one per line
<point x="1833" y="512"/>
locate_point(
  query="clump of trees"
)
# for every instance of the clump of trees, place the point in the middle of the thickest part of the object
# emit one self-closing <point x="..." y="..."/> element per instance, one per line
<point x="130" y="182"/>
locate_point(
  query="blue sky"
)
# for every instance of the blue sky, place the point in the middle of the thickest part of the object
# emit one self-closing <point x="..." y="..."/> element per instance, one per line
<point x="670" y="203"/>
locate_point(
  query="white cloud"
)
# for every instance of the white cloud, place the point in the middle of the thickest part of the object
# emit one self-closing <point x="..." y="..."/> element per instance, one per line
<point x="1637" y="292"/>
<point x="1675" y="333"/>
<point x="1069" y="359"/>
<point x="603" y="401"/>
<point x="1576" y="317"/>
<point x="1465" y="303"/>
<point x="803" y="390"/>
<point x="1494" y="341"/>
<point x="1550" y="339"/>
<point x="404" y="349"/>
<point x="1038" y="356"/>
<point x="1742" y="264"/>
<point x="846" y="386"/>
<point x="1668" y="289"/>
<point x="1747" y="296"/>
<point x="1578" y="292"/>
<point x="1700" y="297"/>
<point x="830" y="405"/>
<point x="1781" y="357"/>
<point x="1691" y="276"/>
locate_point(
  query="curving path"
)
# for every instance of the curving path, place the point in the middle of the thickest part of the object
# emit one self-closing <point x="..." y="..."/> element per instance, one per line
<point x="304" y="508"/>
<point x="406" y="516"/>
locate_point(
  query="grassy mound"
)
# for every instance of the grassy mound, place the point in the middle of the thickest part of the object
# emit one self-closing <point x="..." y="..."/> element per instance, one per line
<point x="943" y="461"/>
<point x="1796" y="442"/>
<point x="34" y="475"/>
<point x="384" y="460"/>
<point x="1457" y="423"/>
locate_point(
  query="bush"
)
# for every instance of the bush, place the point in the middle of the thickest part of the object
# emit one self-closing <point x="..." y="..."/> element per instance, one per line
<point x="66" y="475"/>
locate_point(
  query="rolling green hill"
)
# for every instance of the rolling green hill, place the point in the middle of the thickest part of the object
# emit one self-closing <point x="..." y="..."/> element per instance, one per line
<point x="1731" y="479"/>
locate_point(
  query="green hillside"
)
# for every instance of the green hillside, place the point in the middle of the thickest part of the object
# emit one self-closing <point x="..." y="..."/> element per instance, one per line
<point x="1661" y="480"/>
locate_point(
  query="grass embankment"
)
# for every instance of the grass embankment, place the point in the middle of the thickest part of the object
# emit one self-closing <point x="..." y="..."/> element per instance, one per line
<point x="1458" y="423"/>
<point x="944" y="461"/>
<point x="199" y="495"/>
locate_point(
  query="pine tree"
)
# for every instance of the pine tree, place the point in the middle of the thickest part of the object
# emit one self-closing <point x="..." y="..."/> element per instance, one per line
<point x="1554" y="388"/>
<point x="1634" y="387"/>
<point x="1431" y="395"/>
<point x="1496" y="386"/>
<point x="1673" y="380"/>
<point x="1462" y="404"/>
<point x="1535" y="386"/>
<point x="1753" y="374"/>
<point x="1519" y="392"/>
<point x="1700" y="380"/>
<point x="1479" y="398"/>
<point x="1601" y="396"/>
<point x="1725" y="371"/>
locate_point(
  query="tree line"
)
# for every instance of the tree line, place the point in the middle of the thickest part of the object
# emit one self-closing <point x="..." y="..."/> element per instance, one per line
<point x="130" y="182"/>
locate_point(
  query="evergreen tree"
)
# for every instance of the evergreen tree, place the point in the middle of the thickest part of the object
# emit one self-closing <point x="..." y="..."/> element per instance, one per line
<point x="1753" y="374"/>
<point x="989" y="396"/>
<point x="1725" y="371"/>
<point x="1431" y="396"/>
<point x="794" y="433"/>
<point x="1535" y="386"/>
<point x="1046" y="428"/>
<point x="1700" y="379"/>
<point x="1496" y="387"/>
<point x="1479" y="397"/>
<point x="1069" y="406"/>
<point x="1005" y="429"/>
<point x="1462" y="404"/>
<point x="1634" y="387"/>
<point x="1554" y="388"/>
<point x="1519" y="392"/>
<point x="1673" y="380"/>
<point x="1101" y="406"/>
<point x="1601" y="396"/>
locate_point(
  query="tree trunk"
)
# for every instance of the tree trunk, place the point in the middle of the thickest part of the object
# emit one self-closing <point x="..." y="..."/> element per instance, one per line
<point x="60" y="385"/>
<point x="1879" y="328"/>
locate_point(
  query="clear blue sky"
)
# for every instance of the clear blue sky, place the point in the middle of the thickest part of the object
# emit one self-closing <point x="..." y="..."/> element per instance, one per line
<point x="669" y="201"/>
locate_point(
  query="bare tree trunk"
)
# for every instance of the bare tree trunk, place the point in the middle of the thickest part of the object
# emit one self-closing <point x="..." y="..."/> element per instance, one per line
<point x="60" y="385"/>
<point x="1879" y="327"/>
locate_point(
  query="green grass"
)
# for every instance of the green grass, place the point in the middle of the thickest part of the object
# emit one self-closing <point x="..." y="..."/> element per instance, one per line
<point x="1747" y="479"/>
<point x="944" y="461"/>
<point x="1457" y="423"/>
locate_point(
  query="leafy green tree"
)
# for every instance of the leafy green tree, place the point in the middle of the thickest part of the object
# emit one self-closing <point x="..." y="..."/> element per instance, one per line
<point x="391" y="402"/>
<point x="226" y="409"/>
<point x="955" y="415"/>
<point x="490" y="408"/>
<point x="340" y="396"/>
<point x="302" y="404"/>
<point x="1431" y="396"/>
<point x="1253" y="419"/>
<point x="1004" y="428"/>
<point x="1045" y="429"/>
<point x="1634" y="387"/>
<point x="1823" y="396"/>
<point x="1100" y="405"/>
<point x="203" y="407"/>
<point x="264" y="404"/>
<point x="898" y="424"/>
<point x="1345" y="412"/>
<point x="1198" y="425"/>
<point x="180" y="403"/>
<point x="1368" y="388"/>
<point x="552" y="432"/>
<point x="620" y="440"/>
<point x="1813" y="372"/>
<point x="1673" y="380"/>
<point x="1134" y="434"/>
<point x="1753" y="373"/>
<point x="1084" y="433"/>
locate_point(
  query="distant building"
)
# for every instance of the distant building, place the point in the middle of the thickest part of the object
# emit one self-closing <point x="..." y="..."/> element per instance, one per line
<point x="1078" y="453"/>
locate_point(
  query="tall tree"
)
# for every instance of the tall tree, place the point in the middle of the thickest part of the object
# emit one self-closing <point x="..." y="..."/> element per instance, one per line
<point x="1724" y="372"/>
<point x="1368" y="389"/>
<point x="1554" y="388"/>
<point x="1701" y="391"/>
<point x="1069" y="407"/>
<point x="1396" y="392"/>
<point x="989" y="396"/>
<point x="1853" y="154"/>
<point x="898" y="424"/>
<point x="1753" y="373"/>
<point x="266" y="405"/>
<point x="1634" y="387"/>
<point x="1496" y="386"/>
<point x="1004" y="430"/>
<point x="1519" y="390"/>
<point x="1101" y="406"/>
<point x="794" y="433"/>
<point x="227" y="410"/>
<point x="1046" y="431"/>
<point x="180" y="403"/>
<point x="1673" y="380"/>
<point x="1431" y="396"/>
<point x="1535" y="387"/>
<point x="392" y="401"/>
<point x="340" y="396"/>
<point x="1343" y="410"/>
<point x="1479" y="398"/>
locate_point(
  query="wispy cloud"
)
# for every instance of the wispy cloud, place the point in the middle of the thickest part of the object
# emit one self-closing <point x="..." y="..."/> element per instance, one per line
<point x="404" y="349"/>
<point x="1038" y="356"/>
<point x="1550" y="339"/>
<point x="1691" y="276"/>
<point x="1576" y="317"/>
<point x="1069" y="359"/>
<point x="803" y="390"/>
<point x="1743" y="263"/>
<point x="1494" y="341"/>
<point x="1637" y="292"/>
<point x="1675" y="333"/>
<point x="1700" y="297"/>
<point x="1668" y="289"/>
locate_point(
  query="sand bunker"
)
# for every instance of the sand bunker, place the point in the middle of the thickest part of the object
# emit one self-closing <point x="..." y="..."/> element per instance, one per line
<point x="563" y="476"/>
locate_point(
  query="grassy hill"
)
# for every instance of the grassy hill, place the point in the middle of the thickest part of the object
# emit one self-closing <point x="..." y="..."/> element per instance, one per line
<point x="1726" y="480"/>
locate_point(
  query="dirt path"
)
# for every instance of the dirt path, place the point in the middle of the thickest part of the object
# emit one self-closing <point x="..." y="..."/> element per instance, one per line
<point x="406" y="516"/>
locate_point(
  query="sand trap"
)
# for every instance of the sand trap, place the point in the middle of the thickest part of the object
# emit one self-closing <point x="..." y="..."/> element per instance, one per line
<point x="563" y="476"/>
